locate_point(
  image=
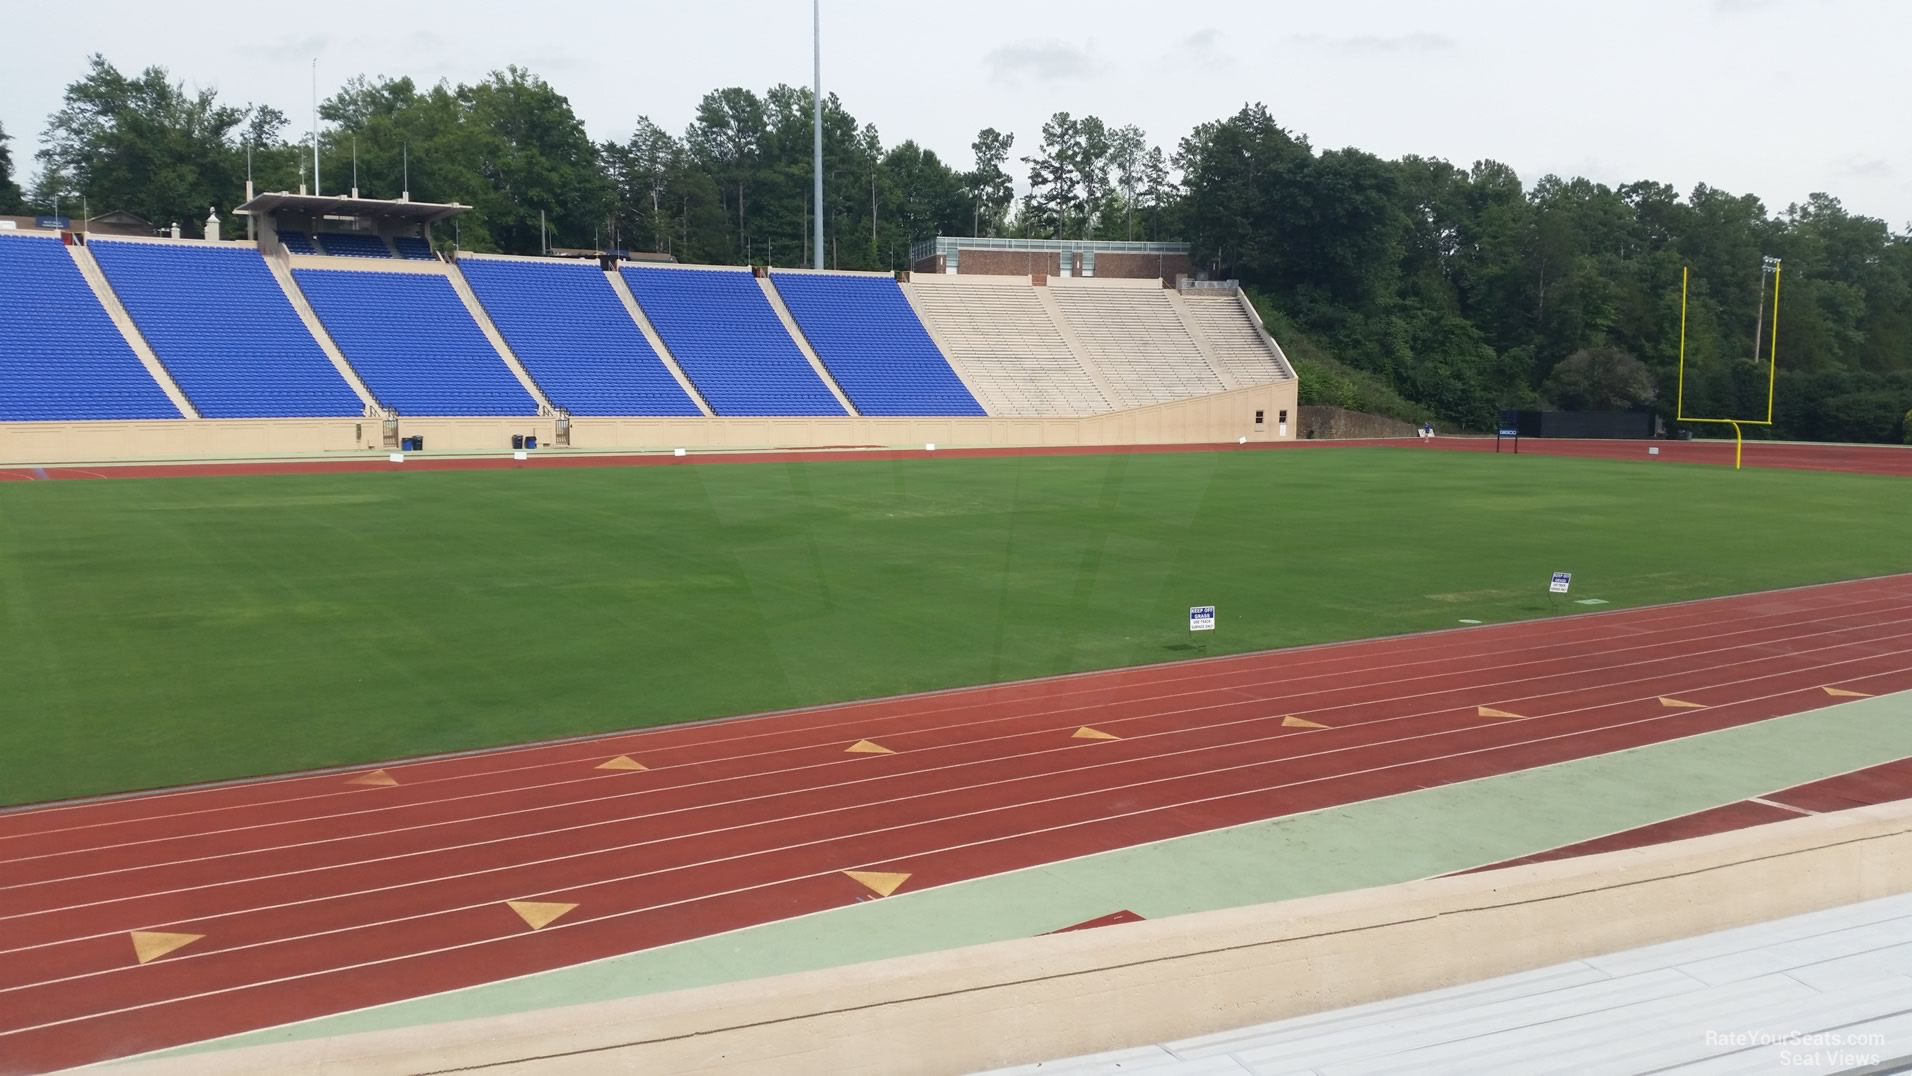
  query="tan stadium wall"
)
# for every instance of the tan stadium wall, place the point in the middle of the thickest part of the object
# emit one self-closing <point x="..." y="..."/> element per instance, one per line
<point x="1213" y="419"/>
<point x="1064" y="995"/>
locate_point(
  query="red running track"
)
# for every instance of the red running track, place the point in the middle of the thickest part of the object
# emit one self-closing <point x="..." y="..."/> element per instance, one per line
<point x="1855" y="459"/>
<point x="1862" y="459"/>
<point x="313" y="894"/>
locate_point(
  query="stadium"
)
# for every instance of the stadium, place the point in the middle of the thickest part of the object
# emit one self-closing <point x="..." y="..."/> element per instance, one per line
<point x="424" y="660"/>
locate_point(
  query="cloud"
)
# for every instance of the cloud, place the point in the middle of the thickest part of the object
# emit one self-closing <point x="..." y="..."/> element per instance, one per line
<point x="1740" y="7"/>
<point x="296" y="47"/>
<point x="1872" y="169"/>
<point x="1418" y="41"/>
<point x="1048" y="61"/>
<point x="1202" y="49"/>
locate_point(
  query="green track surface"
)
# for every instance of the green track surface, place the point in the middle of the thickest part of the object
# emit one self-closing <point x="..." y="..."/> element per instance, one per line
<point x="162" y="631"/>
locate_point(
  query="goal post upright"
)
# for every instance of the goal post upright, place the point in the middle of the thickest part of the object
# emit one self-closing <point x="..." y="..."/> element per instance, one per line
<point x="1772" y="368"/>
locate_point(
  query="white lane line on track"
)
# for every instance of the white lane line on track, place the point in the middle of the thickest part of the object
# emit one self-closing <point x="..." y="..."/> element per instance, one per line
<point x="1285" y="760"/>
<point x="640" y="792"/>
<point x="1342" y="690"/>
<point x="570" y="924"/>
<point x="1781" y="806"/>
<point x="1597" y="625"/>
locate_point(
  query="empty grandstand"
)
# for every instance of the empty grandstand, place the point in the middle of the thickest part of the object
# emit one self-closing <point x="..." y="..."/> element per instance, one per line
<point x="730" y="342"/>
<point x="218" y="321"/>
<point x="61" y="356"/>
<point x="593" y="360"/>
<point x="297" y="242"/>
<point x="353" y="245"/>
<point x="1011" y="349"/>
<point x="413" y="343"/>
<point x="338" y="310"/>
<point x="864" y="331"/>
<point x="1134" y="335"/>
<point x="1238" y="343"/>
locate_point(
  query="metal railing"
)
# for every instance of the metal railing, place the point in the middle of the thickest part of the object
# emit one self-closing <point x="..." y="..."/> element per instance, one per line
<point x="948" y="244"/>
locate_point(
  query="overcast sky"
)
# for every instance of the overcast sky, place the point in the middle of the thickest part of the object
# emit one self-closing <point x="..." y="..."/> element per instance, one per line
<point x="1777" y="97"/>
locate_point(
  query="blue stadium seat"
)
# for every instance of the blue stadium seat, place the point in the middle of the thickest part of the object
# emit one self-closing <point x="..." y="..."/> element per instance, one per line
<point x="61" y="356"/>
<point x="413" y="343"/>
<point x="872" y="343"/>
<point x="721" y="329"/>
<point x="223" y="328"/>
<point x="414" y="248"/>
<point x="575" y="338"/>
<point x="353" y="245"/>
<point x="297" y="242"/>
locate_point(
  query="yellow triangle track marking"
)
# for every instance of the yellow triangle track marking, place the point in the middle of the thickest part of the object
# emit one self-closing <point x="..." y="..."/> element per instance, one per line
<point x="1842" y="693"/>
<point x="1087" y="733"/>
<point x="1300" y="723"/>
<point x="150" y="945"/>
<point x="1680" y="704"/>
<point x="1488" y="711"/>
<point x="865" y="747"/>
<point x="622" y="762"/>
<point x="538" y="914"/>
<point x="378" y="778"/>
<point x="882" y="883"/>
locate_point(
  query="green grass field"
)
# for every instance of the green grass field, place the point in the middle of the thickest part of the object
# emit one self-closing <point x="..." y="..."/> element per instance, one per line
<point x="166" y="631"/>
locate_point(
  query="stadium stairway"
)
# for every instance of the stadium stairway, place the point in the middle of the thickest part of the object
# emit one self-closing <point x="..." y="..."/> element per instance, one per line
<point x="721" y="328"/>
<point x="803" y="344"/>
<point x="873" y="344"/>
<point x="1010" y="350"/>
<point x="1083" y="353"/>
<point x="280" y="262"/>
<point x="1235" y="337"/>
<point x="593" y="360"/>
<point x="1202" y="343"/>
<point x="623" y="290"/>
<point x="62" y="358"/>
<point x="1137" y="339"/>
<point x="414" y="340"/>
<point x="217" y="320"/>
<point x="483" y="320"/>
<point x="109" y="300"/>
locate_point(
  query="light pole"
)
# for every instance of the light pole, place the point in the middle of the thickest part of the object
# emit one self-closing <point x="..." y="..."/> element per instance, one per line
<point x="816" y="45"/>
<point x="1768" y="267"/>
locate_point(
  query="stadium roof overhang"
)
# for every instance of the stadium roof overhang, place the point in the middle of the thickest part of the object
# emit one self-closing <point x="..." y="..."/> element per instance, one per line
<point x="326" y="205"/>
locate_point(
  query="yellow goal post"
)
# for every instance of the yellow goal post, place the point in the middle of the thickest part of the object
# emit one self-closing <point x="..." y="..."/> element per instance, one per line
<point x="1772" y="368"/>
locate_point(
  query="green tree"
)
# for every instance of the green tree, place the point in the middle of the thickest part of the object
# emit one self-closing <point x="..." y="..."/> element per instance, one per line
<point x="1600" y="379"/>
<point x="11" y="198"/>
<point x="145" y="144"/>
<point x="991" y="189"/>
<point x="1055" y="186"/>
<point x="1128" y="155"/>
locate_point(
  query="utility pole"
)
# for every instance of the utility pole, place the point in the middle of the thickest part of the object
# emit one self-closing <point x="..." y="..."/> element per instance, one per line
<point x="315" y="125"/>
<point x="816" y="41"/>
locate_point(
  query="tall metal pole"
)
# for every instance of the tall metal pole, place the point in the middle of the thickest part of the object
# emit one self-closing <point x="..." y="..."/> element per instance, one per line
<point x="816" y="38"/>
<point x="315" y="125"/>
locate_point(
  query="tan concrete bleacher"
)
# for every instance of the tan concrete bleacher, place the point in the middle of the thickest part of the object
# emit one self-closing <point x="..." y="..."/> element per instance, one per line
<point x="1237" y="344"/>
<point x="1141" y="345"/>
<point x="1015" y="358"/>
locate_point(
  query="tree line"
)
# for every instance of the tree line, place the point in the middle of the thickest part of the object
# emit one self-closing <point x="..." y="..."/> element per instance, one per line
<point x="1411" y="286"/>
